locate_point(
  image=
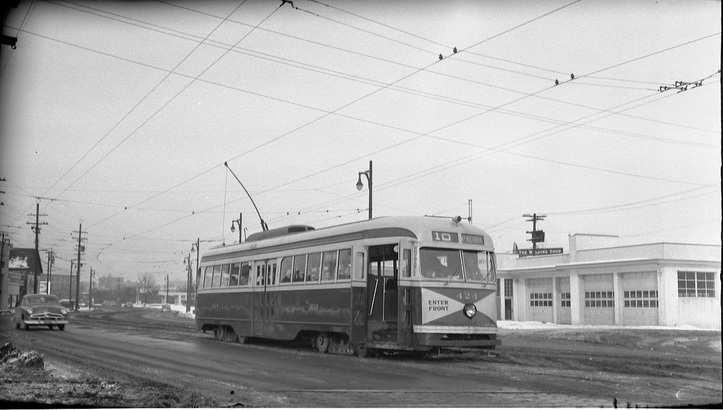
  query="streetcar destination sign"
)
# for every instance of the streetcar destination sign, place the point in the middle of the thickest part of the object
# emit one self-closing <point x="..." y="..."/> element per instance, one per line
<point x="439" y="236"/>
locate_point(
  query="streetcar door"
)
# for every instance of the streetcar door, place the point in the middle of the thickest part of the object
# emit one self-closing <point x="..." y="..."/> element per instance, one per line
<point x="382" y="293"/>
<point x="265" y="272"/>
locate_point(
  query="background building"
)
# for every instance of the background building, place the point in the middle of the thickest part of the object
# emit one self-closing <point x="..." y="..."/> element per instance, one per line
<point x="658" y="284"/>
<point x="22" y="266"/>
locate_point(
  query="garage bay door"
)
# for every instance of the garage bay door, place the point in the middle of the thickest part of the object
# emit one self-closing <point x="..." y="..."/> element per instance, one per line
<point x="640" y="299"/>
<point x="599" y="299"/>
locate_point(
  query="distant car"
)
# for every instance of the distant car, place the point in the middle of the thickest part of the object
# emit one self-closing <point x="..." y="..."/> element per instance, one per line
<point x="128" y="304"/>
<point x="67" y="303"/>
<point x="40" y="310"/>
<point x="166" y="308"/>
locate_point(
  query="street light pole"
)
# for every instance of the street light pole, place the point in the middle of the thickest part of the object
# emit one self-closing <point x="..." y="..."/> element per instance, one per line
<point x="239" y="222"/>
<point x="360" y="185"/>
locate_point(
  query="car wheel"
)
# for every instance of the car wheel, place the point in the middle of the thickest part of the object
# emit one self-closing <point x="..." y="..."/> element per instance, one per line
<point x="61" y="327"/>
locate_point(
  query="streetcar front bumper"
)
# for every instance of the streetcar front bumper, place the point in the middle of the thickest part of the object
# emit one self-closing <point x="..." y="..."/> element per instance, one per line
<point x="456" y="336"/>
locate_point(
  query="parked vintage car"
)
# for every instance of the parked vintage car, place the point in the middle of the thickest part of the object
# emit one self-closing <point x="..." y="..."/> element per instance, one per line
<point x="40" y="310"/>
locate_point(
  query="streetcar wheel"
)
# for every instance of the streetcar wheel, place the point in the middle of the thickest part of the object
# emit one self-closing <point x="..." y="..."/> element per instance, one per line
<point x="241" y="339"/>
<point x="219" y="332"/>
<point x="361" y="350"/>
<point x="322" y="342"/>
<point x="50" y="327"/>
<point x="61" y="327"/>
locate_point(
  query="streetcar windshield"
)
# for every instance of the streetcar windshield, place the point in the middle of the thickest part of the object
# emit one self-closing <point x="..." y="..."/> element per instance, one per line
<point x="456" y="265"/>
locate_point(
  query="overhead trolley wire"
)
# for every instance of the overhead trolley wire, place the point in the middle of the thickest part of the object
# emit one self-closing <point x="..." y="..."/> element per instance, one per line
<point x="129" y="113"/>
<point x="349" y="104"/>
<point x="350" y="77"/>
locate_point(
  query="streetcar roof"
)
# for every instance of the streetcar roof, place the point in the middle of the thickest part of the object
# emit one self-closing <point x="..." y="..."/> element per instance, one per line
<point x="414" y="227"/>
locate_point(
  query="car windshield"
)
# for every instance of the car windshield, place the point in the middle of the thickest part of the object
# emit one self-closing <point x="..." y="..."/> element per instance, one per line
<point x="456" y="265"/>
<point x="41" y="300"/>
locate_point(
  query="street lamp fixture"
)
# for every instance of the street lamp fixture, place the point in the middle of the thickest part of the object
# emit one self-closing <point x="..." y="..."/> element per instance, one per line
<point x="237" y="222"/>
<point x="360" y="185"/>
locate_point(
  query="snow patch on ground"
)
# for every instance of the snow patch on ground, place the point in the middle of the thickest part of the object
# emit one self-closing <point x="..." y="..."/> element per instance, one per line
<point x="509" y="324"/>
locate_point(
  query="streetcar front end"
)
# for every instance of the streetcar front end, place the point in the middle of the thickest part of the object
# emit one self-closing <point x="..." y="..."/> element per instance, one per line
<point x="454" y="291"/>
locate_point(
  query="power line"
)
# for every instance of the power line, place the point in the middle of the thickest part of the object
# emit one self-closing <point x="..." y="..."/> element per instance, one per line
<point x="139" y="103"/>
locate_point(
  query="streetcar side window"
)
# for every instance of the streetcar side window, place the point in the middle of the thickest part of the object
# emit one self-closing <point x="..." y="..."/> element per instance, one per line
<point x="299" y="269"/>
<point x="271" y="274"/>
<point x="328" y="266"/>
<point x="260" y="273"/>
<point x="216" y="276"/>
<point x="344" y="264"/>
<point x="314" y="261"/>
<point x="359" y="265"/>
<point x="207" y="277"/>
<point x="234" y="275"/>
<point x="407" y="263"/>
<point x="245" y="273"/>
<point x="285" y="269"/>
<point x="224" y="276"/>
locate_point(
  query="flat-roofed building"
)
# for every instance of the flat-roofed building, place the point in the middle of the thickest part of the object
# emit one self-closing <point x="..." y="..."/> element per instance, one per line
<point x="595" y="283"/>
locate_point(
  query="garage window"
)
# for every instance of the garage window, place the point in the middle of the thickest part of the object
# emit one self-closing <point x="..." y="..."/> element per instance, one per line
<point x="603" y="299"/>
<point x="696" y="284"/>
<point x="641" y="298"/>
<point x="564" y="299"/>
<point x="541" y="299"/>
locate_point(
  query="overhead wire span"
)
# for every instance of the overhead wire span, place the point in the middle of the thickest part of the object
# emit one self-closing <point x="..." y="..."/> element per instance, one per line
<point x="134" y="108"/>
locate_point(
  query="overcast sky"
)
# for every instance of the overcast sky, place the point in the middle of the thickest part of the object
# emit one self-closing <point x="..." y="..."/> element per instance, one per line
<point x="120" y="116"/>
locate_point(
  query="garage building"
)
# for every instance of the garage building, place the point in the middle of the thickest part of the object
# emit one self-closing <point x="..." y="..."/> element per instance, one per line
<point x="658" y="284"/>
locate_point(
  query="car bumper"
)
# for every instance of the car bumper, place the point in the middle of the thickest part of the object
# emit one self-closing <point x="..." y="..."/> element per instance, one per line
<point x="44" y="321"/>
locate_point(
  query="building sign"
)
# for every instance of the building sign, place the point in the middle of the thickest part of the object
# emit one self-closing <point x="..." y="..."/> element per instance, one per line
<point x="19" y="262"/>
<point x="542" y="251"/>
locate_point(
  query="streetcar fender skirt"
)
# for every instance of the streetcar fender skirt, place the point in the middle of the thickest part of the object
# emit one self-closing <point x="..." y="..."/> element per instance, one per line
<point x="456" y="340"/>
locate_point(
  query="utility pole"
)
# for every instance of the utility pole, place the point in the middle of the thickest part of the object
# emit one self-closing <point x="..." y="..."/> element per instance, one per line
<point x="90" y="290"/>
<point x="166" y="288"/>
<point x="198" y="271"/>
<point x="36" y="229"/>
<point x="188" y="282"/>
<point x="51" y="260"/>
<point x="537" y="236"/>
<point x="70" y="284"/>
<point x="78" y="265"/>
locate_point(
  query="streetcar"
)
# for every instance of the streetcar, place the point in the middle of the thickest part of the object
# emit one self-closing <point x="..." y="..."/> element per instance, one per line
<point x="389" y="284"/>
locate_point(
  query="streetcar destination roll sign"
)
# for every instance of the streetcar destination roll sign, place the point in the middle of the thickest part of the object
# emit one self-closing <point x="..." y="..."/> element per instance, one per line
<point x="438" y="236"/>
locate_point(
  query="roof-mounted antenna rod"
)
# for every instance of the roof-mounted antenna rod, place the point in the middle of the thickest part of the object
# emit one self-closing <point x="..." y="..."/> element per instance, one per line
<point x="264" y="227"/>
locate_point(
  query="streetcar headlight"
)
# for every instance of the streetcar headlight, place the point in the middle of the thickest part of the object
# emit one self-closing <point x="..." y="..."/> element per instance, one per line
<point x="470" y="310"/>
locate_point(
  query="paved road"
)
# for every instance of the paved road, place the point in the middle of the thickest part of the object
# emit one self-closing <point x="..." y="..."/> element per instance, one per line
<point x="269" y="374"/>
